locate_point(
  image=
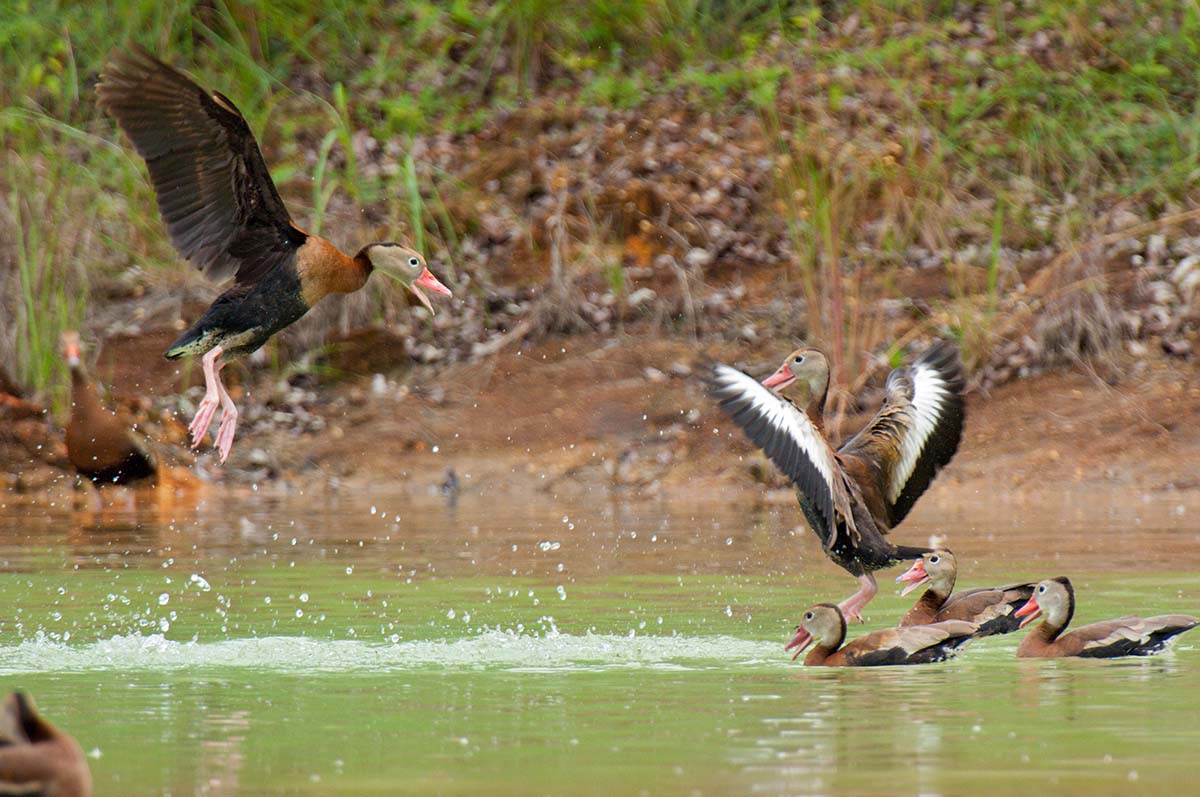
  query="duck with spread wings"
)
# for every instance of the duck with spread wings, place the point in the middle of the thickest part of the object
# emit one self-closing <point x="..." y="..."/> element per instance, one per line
<point x="224" y="214"/>
<point x="854" y="495"/>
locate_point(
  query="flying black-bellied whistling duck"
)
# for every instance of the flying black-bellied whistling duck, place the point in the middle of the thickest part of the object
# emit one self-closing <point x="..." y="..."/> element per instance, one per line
<point x="1124" y="636"/>
<point x="825" y="625"/>
<point x="993" y="609"/>
<point x="101" y="445"/>
<point x="224" y="214"/>
<point x="35" y="757"/>
<point x="851" y="498"/>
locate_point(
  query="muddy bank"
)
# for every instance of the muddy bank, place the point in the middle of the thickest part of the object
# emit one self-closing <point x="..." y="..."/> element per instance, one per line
<point x="628" y="415"/>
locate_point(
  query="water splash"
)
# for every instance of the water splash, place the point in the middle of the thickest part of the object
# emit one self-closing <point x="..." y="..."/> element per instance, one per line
<point x="496" y="650"/>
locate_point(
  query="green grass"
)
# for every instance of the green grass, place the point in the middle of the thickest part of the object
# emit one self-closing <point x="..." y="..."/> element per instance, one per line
<point x="893" y="116"/>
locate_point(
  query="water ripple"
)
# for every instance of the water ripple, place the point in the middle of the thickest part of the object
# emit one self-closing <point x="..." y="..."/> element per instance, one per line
<point x="488" y="650"/>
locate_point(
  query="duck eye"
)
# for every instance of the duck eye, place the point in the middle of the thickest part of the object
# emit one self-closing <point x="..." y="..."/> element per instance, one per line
<point x="808" y="616"/>
<point x="799" y="358"/>
<point x="933" y="560"/>
<point x="1041" y="590"/>
<point x="412" y="261"/>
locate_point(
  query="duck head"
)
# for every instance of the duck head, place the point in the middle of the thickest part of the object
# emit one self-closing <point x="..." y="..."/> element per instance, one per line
<point x="938" y="569"/>
<point x="407" y="267"/>
<point x="1055" y="598"/>
<point x="806" y="365"/>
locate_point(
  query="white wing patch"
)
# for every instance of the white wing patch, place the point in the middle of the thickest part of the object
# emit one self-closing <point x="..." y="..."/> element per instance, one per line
<point x="782" y="415"/>
<point x="930" y="395"/>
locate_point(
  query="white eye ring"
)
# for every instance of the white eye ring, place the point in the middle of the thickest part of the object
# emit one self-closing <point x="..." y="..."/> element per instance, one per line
<point x="933" y="560"/>
<point x="412" y="261"/>
<point x="1041" y="589"/>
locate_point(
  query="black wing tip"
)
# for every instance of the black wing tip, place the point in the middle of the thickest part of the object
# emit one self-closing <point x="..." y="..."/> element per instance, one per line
<point x="130" y="61"/>
<point x="716" y="387"/>
<point x="944" y="357"/>
<point x="128" y="71"/>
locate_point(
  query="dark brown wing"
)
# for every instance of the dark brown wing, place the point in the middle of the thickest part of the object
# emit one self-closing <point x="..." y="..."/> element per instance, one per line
<point x="214" y="191"/>
<point x="1128" y="636"/>
<point x="916" y="644"/>
<point x="918" y="428"/>
<point x="993" y="609"/>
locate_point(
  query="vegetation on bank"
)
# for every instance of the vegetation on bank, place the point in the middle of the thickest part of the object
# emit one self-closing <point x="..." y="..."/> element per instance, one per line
<point x="965" y="138"/>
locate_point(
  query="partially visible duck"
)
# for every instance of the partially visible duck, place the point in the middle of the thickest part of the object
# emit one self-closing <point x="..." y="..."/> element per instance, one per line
<point x="223" y="213"/>
<point x="101" y="444"/>
<point x="1124" y="636"/>
<point x="35" y="757"/>
<point x="920" y="644"/>
<point x="853" y="497"/>
<point x="993" y="609"/>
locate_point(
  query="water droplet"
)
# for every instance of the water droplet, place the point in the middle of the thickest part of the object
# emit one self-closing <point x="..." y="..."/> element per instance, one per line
<point x="163" y="598"/>
<point x="304" y="597"/>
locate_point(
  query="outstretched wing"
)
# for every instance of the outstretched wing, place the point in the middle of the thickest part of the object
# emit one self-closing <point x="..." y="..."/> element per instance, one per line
<point x="918" y="428"/>
<point x="214" y="191"/>
<point x="786" y="436"/>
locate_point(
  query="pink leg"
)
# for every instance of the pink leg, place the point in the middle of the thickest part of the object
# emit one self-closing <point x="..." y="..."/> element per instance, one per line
<point x="229" y="418"/>
<point x="212" y="397"/>
<point x="852" y="607"/>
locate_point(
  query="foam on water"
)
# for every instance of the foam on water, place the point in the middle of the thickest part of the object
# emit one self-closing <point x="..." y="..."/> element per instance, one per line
<point x="488" y="650"/>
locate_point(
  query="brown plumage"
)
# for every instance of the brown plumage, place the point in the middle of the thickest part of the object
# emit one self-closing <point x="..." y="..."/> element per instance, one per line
<point x="1124" y="636"/>
<point x="993" y="609"/>
<point x="825" y="628"/>
<point x="854" y="496"/>
<point x="224" y="214"/>
<point x="101" y="444"/>
<point x="35" y="757"/>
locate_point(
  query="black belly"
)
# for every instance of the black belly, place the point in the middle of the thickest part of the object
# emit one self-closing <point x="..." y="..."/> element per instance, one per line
<point x="245" y="317"/>
<point x="871" y="552"/>
<point x="135" y="467"/>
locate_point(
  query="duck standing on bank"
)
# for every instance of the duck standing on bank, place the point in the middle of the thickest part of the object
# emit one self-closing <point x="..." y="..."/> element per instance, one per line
<point x="101" y="445"/>
<point x="224" y="214"/>
<point x="853" y="496"/>
<point x="825" y="625"/>
<point x="993" y="609"/>
<point x="1124" y="636"/>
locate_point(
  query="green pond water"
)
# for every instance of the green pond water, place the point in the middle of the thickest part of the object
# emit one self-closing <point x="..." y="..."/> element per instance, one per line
<point x="334" y="645"/>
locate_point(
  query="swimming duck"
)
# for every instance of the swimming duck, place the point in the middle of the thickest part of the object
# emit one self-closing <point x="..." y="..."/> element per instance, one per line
<point x="853" y="496"/>
<point x="224" y="214"/>
<point x="37" y="758"/>
<point x="919" y="644"/>
<point x="1124" y="636"/>
<point x="993" y="609"/>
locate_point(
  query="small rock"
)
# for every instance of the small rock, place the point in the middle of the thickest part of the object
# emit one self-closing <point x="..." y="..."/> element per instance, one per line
<point x="640" y="296"/>
<point x="680" y="369"/>
<point x="698" y="258"/>
<point x="1177" y="347"/>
